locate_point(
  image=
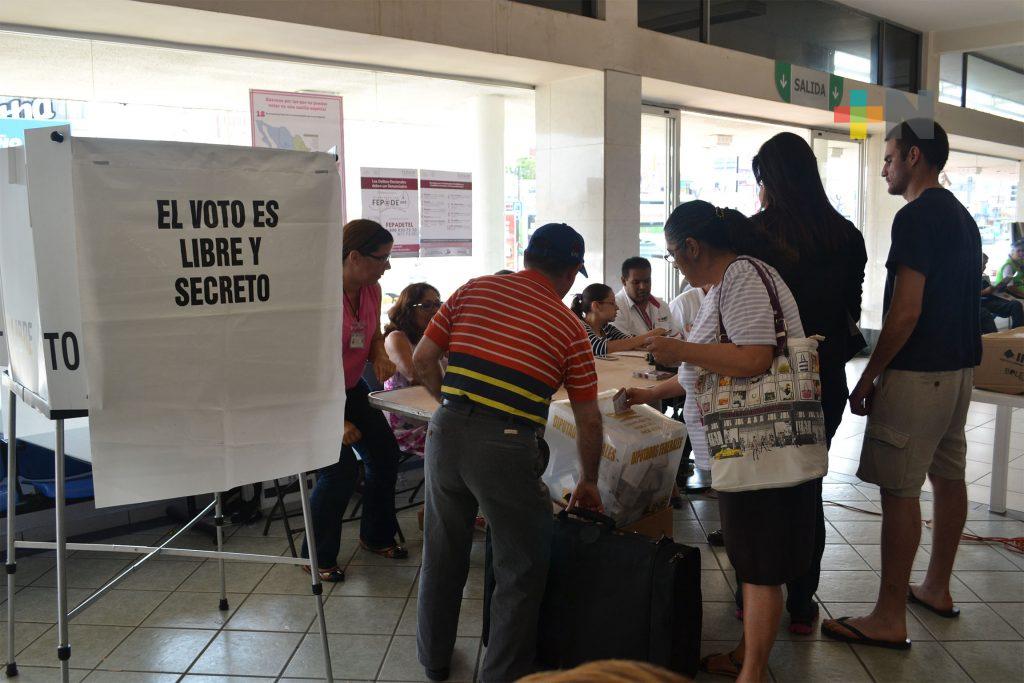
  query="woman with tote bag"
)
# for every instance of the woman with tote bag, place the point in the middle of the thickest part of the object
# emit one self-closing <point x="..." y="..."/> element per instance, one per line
<point x="753" y="405"/>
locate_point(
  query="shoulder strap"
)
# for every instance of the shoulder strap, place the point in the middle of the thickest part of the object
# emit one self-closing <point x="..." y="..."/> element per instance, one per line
<point x="773" y="297"/>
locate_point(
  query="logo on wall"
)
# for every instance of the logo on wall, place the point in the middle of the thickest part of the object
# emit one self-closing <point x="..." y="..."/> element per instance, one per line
<point x="898" y="107"/>
<point x="20" y="113"/>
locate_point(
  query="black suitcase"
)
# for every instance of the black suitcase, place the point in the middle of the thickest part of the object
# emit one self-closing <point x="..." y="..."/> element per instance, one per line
<point x="615" y="595"/>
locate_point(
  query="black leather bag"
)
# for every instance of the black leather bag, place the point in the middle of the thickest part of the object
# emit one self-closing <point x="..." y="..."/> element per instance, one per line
<point x="615" y="595"/>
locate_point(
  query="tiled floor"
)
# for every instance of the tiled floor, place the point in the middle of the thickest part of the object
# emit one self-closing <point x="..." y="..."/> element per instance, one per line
<point x="163" y="623"/>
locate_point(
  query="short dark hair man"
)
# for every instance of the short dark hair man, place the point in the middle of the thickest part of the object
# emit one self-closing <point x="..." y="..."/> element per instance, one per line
<point x="639" y="310"/>
<point x="511" y="343"/>
<point x="925" y="357"/>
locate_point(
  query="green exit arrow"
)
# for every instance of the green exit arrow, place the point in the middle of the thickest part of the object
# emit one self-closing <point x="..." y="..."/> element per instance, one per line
<point x="835" y="91"/>
<point x="783" y="79"/>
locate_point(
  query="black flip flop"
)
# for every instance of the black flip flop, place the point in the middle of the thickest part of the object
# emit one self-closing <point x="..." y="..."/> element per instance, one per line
<point x="944" y="613"/>
<point x="859" y="638"/>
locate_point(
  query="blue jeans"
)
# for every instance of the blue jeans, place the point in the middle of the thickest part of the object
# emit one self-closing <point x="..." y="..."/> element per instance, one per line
<point x="336" y="483"/>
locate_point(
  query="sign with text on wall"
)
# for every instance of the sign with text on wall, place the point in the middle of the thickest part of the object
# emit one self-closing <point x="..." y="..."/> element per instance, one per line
<point x="18" y="114"/>
<point x="304" y="122"/>
<point x="390" y="197"/>
<point x="808" y="87"/>
<point x="446" y="213"/>
<point x="208" y="280"/>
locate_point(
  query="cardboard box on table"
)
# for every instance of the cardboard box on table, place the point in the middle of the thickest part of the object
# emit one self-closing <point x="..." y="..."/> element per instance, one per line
<point x="641" y="454"/>
<point x="1002" y="362"/>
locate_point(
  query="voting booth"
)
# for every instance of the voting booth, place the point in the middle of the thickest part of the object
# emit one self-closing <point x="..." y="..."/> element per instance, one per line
<point x="187" y="298"/>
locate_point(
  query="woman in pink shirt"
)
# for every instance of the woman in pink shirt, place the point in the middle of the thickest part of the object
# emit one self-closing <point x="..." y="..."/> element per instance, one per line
<point x="367" y="253"/>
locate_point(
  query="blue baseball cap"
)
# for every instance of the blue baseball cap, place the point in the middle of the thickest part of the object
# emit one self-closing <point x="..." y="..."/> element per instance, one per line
<point x="558" y="241"/>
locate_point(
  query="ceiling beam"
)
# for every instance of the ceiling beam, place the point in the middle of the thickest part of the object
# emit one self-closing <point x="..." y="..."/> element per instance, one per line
<point x="978" y="38"/>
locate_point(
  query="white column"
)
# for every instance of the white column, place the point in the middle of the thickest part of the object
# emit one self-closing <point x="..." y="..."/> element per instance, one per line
<point x="489" y="183"/>
<point x="588" y="165"/>
<point x="621" y="173"/>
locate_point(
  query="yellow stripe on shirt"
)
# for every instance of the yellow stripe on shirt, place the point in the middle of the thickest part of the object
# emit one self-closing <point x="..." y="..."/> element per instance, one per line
<point x="497" y="405"/>
<point x="507" y="386"/>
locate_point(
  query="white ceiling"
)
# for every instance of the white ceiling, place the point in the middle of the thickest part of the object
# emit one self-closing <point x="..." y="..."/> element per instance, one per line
<point x="942" y="15"/>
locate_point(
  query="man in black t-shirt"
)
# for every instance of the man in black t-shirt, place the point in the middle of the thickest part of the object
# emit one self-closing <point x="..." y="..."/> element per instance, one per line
<point x="924" y="360"/>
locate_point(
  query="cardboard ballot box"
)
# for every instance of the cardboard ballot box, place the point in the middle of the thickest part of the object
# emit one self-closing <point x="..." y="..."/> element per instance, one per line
<point x="654" y="525"/>
<point x="1002" y="362"/>
<point x="641" y="453"/>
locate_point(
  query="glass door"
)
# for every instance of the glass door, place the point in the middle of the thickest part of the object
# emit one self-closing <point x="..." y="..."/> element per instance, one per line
<point x="659" y="192"/>
<point x="840" y="166"/>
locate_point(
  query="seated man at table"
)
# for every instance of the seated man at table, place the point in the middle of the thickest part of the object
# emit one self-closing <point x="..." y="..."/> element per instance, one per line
<point x="639" y="310"/>
<point x="511" y="344"/>
<point x="996" y="304"/>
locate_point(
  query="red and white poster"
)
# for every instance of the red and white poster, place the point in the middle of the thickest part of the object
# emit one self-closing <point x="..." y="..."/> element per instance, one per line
<point x="446" y="213"/>
<point x="390" y="198"/>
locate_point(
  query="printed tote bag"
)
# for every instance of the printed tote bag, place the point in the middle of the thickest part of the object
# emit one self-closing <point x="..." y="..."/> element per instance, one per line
<point x="767" y="431"/>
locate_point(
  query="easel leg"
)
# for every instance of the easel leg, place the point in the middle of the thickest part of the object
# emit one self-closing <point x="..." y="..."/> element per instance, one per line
<point x="307" y="518"/>
<point x="12" y="487"/>
<point x="218" y="519"/>
<point x="63" y="646"/>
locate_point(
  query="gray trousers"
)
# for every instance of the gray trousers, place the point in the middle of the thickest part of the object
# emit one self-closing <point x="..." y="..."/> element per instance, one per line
<point x="476" y="459"/>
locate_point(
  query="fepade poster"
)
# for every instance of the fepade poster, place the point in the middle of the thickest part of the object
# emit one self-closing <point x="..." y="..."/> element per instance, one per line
<point x="390" y="198"/>
<point x="210" y="282"/>
<point x="446" y="213"/>
<point x="38" y="271"/>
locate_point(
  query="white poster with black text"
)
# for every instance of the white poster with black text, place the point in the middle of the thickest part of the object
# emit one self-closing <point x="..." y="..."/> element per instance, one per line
<point x="446" y="213"/>
<point x="210" y="281"/>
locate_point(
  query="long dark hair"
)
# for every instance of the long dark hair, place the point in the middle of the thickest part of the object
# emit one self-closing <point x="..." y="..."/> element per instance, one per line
<point x="364" y="236"/>
<point x="797" y="210"/>
<point x="595" y="292"/>
<point x="401" y="314"/>
<point x="725" y="229"/>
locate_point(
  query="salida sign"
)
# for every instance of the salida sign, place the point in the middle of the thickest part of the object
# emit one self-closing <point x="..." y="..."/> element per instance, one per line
<point x="807" y="87"/>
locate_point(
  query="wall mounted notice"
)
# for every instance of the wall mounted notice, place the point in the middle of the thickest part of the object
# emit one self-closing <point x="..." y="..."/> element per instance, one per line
<point x="210" y="281"/>
<point x="390" y="198"/>
<point x="807" y="87"/>
<point x="446" y="213"/>
<point x="305" y="122"/>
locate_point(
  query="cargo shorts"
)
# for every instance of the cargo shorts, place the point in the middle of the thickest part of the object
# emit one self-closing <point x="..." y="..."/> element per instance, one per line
<point x="916" y="428"/>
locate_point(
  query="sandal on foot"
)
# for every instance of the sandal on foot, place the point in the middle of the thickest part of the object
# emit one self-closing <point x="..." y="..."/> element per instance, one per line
<point x="333" y="574"/>
<point x="856" y="637"/>
<point x="944" y="613"/>
<point x="803" y="625"/>
<point x="732" y="671"/>
<point x="391" y="552"/>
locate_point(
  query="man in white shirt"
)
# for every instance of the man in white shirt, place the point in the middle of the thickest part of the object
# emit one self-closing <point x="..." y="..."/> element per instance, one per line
<point x="684" y="308"/>
<point x="639" y="310"/>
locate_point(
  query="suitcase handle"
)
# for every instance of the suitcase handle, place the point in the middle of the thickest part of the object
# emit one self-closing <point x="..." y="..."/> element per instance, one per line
<point x="590" y="516"/>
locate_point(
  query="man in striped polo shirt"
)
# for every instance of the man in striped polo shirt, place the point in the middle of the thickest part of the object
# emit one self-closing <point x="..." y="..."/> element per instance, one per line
<point x="511" y="343"/>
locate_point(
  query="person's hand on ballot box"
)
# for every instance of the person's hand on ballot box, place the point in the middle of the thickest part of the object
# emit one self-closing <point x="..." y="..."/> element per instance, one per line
<point x="586" y="496"/>
<point x="637" y="396"/>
